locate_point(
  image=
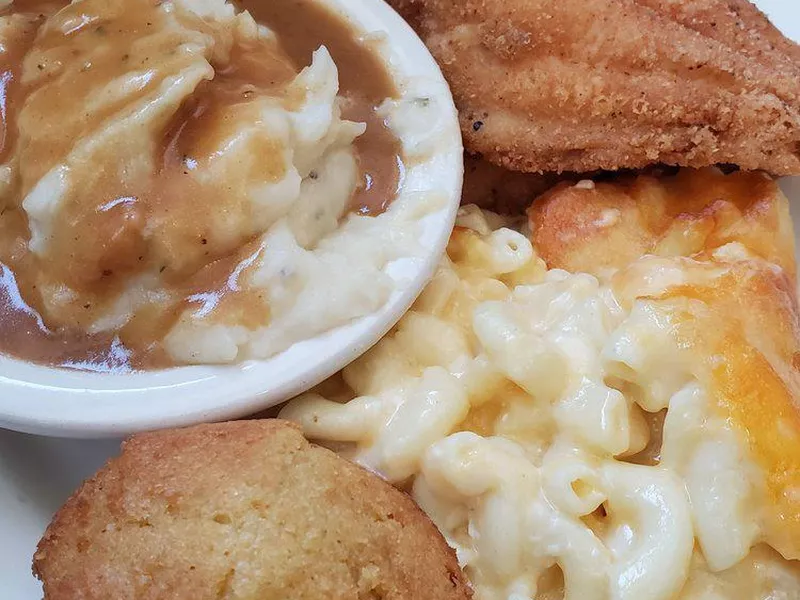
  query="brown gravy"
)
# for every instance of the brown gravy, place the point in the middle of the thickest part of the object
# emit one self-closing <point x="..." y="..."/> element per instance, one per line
<point x="363" y="79"/>
<point x="110" y="248"/>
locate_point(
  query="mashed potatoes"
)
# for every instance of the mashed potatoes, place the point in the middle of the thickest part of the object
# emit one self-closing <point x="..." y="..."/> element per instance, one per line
<point x="188" y="194"/>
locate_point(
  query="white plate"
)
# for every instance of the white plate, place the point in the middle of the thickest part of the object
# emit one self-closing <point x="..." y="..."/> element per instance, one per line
<point x="37" y="474"/>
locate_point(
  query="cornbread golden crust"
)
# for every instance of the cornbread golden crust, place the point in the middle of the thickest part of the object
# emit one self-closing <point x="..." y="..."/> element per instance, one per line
<point x="242" y="510"/>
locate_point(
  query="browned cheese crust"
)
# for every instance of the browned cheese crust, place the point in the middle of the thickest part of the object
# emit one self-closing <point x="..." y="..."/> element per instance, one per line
<point x="609" y="225"/>
<point x="583" y="85"/>
<point x="242" y="510"/>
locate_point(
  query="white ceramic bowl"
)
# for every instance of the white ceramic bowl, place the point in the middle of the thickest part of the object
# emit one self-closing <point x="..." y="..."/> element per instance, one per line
<point x="48" y="401"/>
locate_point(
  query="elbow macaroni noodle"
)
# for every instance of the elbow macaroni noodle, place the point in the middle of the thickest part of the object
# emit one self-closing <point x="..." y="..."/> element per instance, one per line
<point x="519" y="407"/>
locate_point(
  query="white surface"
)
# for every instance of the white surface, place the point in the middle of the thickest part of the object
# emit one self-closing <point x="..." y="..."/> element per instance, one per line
<point x="37" y="474"/>
<point x="784" y="13"/>
<point x="59" y="402"/>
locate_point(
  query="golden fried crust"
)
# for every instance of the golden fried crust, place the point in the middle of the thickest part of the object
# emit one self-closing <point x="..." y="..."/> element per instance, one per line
<point x="583" y="85"/>
<point x="606" y="226"/>
<point x="241" y="510"/>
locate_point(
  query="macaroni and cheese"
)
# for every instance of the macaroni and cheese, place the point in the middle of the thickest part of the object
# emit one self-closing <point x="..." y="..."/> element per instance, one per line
<point x="603" y="407"/>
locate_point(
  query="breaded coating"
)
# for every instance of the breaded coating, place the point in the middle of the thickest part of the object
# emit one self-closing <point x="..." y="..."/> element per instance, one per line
<point x="242" y="510"/>
<point x="585" y="85"/>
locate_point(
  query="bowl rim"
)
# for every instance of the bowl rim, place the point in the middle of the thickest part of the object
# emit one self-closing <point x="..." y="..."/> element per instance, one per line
<point x="60" y="402"/>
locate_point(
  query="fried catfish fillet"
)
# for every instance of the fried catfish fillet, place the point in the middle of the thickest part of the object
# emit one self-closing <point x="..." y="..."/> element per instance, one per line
<point x="584" y="85"/>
